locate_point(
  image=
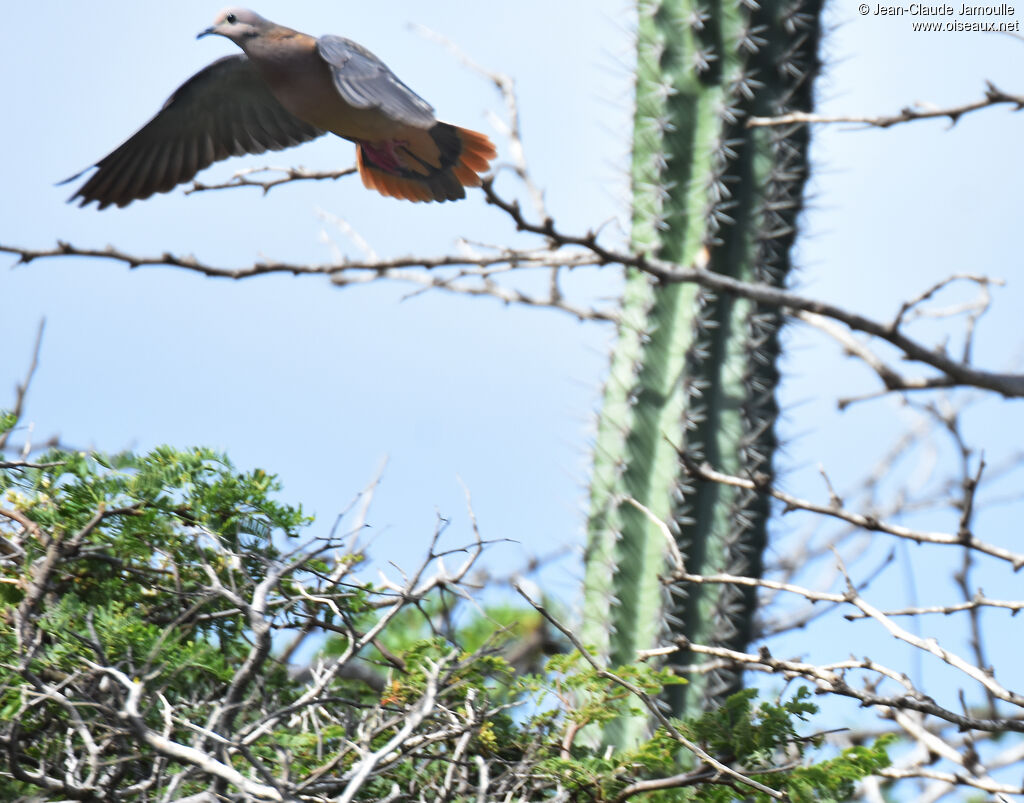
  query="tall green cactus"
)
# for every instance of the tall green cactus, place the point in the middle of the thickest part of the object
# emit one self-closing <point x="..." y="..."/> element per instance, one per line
<point x="693" y="370"/>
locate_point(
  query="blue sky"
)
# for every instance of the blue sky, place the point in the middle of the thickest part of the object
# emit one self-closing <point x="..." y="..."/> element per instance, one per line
<point x="312" y="382"/>
<point x="319" y="384"/>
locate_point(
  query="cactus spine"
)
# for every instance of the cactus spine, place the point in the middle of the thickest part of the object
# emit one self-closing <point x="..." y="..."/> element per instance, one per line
<point x="693" y="370"/>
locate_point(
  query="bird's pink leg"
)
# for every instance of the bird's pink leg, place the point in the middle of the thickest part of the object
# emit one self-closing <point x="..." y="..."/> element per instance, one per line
<point x="383" y="155"/>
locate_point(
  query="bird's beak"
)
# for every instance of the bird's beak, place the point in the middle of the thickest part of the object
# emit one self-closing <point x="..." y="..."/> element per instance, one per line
<point x="208" y="32"/>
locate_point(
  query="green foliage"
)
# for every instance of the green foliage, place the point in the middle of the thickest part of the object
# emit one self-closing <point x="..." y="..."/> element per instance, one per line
<point x="129" y="528"/>
<point x="833" y="780"/>
<point x="733" y="728"/>
<point x="761" y="741"/>
<point x="116" y="557"/>
<point x="587" y="695"/>
<point x="497" y="625"/>
<point x="141" y="595"/>
<point x="8" y="420"/>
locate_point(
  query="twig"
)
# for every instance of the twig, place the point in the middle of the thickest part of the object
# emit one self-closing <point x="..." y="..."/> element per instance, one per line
<point x="908" y="114"/>
<point x="289" y="174"/>
<point x="21" y="390"/>
<point x="866" y="522"/>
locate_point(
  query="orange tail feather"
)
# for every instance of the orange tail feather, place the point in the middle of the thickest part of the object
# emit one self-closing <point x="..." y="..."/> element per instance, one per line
<point x="434" y="165"/>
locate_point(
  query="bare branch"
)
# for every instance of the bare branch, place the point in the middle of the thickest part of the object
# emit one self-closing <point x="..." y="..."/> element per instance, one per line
<point x="866" y="522"/>
<point x="21" y="390"/>
<point x="830" y="679"/>
<point x="288" y="175"/>
<point x="175" y="750"/>
<point x="958" y="373"/>
<point x="979" y="601"/>
<point x="908" y="114"/>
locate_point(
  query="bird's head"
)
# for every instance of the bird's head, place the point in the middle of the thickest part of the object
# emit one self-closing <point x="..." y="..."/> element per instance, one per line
<point x="237" y="24"/>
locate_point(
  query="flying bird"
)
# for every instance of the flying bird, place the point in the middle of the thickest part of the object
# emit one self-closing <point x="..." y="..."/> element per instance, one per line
<point x="284" y="89"/>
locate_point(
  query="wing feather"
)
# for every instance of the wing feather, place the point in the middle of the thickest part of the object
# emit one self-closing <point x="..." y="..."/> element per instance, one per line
<point x="225" y="109"/>
<point x="364" y="81"/>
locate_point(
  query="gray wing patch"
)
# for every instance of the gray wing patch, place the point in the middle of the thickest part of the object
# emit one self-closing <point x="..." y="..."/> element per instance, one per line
<point x="364" y="81"/>
<point x="225" y="109"/>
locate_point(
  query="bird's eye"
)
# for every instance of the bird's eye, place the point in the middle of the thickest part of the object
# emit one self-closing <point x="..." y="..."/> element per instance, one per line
<point x="231" y="19"/>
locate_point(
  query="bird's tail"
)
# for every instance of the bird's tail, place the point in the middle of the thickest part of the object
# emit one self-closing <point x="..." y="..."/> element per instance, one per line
<point x="429" y="165"/>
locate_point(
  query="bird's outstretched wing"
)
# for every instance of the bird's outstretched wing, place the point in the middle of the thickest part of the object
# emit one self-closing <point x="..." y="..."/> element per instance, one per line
<point x="365" y="82"/>
<point x="225" y="109"/>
